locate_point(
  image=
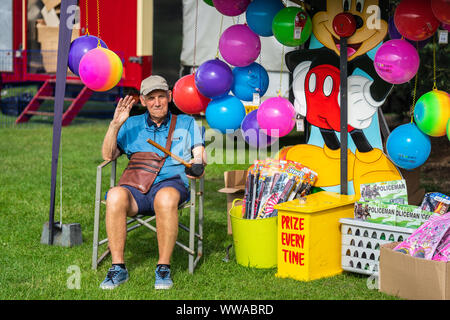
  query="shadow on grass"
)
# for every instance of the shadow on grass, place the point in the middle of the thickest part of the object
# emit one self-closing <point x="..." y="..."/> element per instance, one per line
<point x="142" y="246"/>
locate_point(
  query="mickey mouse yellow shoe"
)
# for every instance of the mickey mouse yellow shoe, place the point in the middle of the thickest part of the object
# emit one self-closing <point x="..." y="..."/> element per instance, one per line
<point x="373" y="166"/>
<point x="324" y="161"/>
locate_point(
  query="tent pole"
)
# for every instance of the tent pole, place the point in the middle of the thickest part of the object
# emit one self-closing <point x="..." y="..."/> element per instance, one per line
<point x="65" y="36"/>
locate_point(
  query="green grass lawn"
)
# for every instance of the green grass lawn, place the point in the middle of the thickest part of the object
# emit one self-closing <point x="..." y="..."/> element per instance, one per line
<point x="31" y="270"/>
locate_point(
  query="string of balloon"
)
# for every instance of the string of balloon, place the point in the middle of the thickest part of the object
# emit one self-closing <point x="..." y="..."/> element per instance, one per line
<point x="98" y="20"/>
<point x="195" y="37"/>
<point x="434" y="63"/>
<point x="87" y="18"/>
<point x="220" y="32"/>
<point x="414" y="91"/>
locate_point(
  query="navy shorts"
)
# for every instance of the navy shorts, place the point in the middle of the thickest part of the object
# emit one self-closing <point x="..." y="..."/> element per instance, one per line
<point x="145" y="201"/>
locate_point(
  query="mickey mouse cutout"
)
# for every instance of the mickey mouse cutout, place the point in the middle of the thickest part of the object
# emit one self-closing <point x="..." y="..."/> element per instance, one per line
<point x="316" y="87"/>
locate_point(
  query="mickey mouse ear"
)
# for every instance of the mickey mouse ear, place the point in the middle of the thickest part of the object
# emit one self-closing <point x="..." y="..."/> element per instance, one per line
<point x="385" y="8"/>
<point x="315" y="6"/>
<point x="293" y="58"/>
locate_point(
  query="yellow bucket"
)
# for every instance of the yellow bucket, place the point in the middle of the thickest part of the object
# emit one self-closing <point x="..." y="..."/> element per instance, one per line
<point x="254" y="240"/>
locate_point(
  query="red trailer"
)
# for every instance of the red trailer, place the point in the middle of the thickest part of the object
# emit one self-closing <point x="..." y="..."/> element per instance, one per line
<point x="126" y="26"/>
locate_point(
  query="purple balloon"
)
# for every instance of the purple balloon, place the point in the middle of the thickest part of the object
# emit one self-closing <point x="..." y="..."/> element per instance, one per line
<point x="231" y="7"/>
<point x="445" y="26"/>
<point x="79" y="47"/>
<point x="252" y="132"/>
<point x="213" y="78"/>
<point x="239" y="45"/>
<point x="394" y="34"/>
<point x="396" y="61"/>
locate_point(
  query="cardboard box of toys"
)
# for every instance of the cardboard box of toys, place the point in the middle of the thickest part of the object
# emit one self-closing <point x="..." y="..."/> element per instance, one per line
<point x="234" y="189"/>
<point x="413" y="278"/>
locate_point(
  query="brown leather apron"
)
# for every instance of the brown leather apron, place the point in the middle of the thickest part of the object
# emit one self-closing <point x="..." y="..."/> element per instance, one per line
<point x="143" y="167"/>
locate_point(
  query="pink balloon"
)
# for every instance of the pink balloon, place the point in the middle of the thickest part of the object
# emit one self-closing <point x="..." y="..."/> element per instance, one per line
<point x="276" y="116"/>
<point x="396" y="61"/>
<point x="100" y="69"/>
<point x="231" y="7"/>
<point x="445" y="26"/>
<point x="239" y="45"/>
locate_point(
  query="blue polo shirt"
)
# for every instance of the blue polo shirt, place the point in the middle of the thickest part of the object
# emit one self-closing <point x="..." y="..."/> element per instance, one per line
<point x="135" y="132"/>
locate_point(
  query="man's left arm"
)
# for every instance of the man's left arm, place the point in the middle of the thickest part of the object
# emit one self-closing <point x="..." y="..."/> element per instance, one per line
<point x="197" y="145"/>
<point x="199" y="155"/>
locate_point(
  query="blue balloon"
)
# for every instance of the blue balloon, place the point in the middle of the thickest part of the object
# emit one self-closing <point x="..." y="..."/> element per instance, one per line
<point x="408" y="147"/>
<point x="249" y="80"/>
<point x="225" y="113"/>
<point x="260" y="14"/>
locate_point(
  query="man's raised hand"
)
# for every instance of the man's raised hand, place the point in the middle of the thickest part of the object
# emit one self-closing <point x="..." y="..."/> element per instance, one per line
<point x="122" y="112"/>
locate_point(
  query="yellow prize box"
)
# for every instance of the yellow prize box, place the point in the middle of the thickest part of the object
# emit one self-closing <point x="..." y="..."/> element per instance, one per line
<point x="309" y="236"/>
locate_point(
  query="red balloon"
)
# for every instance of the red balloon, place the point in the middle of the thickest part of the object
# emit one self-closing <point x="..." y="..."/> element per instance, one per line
<point x="186" y="96"/>
<point x="415" y="20"/>
<point x="441" y="10"/>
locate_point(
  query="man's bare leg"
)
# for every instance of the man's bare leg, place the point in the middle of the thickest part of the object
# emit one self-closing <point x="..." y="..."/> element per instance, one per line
<point x="166" y="209"/>
<point x="119" y="204"/>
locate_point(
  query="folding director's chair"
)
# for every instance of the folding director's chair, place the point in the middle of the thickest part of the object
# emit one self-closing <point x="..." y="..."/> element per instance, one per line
<point x="195" y="205"/>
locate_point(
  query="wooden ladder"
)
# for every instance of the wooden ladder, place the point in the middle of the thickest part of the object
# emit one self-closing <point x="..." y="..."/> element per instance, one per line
<point x="46" y="92"/>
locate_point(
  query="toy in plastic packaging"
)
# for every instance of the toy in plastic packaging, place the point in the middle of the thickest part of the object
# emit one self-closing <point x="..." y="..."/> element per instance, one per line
<point x="436" y="202"/>
<point x="430" y="241"/>
<point x="443" y="249"/>
<point x="387" y="191"/>
<point x="270" y="182"/>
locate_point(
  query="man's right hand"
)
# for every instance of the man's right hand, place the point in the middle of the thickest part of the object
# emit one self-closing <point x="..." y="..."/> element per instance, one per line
<point x="122" y="112"/>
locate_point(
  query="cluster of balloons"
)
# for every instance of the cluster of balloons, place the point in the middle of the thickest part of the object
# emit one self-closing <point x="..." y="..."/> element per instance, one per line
<point x="99" y="68"/>
<point x="291" y="26"/>
<point x="218" y="89"/>
<point x="414" y="24"/>
<point x="397" y="61"/>
<point x="409" y="145"/>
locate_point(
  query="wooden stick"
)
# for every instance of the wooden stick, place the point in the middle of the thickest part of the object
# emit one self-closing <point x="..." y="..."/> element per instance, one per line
<point x="188" y="165"/>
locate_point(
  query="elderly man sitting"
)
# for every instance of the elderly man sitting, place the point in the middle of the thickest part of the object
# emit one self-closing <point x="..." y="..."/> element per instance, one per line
<point x="152" y="183"/>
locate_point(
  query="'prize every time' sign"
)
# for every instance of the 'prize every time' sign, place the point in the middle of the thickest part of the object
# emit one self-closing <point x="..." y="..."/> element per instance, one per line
<point x="293" y="240"/>
<point x="309" y="238"/>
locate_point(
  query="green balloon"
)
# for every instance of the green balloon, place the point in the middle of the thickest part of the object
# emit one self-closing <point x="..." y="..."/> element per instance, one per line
<point x="287" y="31"/>
<point x="448" y="129"/>
<point x="209" y="2"/>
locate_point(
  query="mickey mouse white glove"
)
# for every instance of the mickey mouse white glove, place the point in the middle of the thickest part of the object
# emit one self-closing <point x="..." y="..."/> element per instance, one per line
<point x="298" y="87"/>
<point x="361" y="105"/>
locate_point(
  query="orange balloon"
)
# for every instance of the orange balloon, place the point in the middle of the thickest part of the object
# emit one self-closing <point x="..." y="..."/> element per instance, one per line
<point x="186" y="96"/>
